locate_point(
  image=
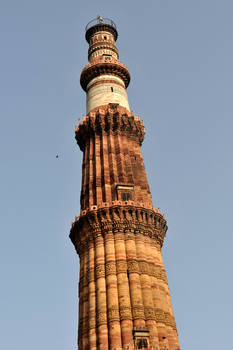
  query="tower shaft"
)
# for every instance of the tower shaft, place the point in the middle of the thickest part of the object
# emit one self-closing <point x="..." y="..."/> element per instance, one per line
<point x="124" y="300"/>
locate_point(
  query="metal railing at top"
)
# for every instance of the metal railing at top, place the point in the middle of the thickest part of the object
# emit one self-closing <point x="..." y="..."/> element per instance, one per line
<point x="100" y="20"/>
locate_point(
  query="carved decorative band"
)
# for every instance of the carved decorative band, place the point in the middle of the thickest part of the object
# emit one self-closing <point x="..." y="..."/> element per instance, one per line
<point x="138" y="312"/>
<point x="101" y="318"/>
<point x="83" y="282"/>
<point x="173" y="322"/>
<point x="149" y="313"/>
<point x="102" y="46"/>
<point x="113" y="314"/>
<point x="121" y="266"/>
<point x="159" y="316"/>
<point x="163" y="275"/>
<point x="99" y="271"/>
<point x="165" y="318"/>
<point x="125" y="204"/>
<point x="92" y="323"/>
<point x="144" y="267"/>
<point x="110" y="268"/>
<point x="158" y="272"/>
<point x="133" y="266"/>
<point x="96" y="224"/>
<point x="168" y="319"/>
<point x="125" y="313"/>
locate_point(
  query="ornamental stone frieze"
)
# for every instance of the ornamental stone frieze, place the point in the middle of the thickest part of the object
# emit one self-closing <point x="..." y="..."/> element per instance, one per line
<point x="153" y="225"/>
<point x="102" y="66"/>
<point x="109" y="120"/>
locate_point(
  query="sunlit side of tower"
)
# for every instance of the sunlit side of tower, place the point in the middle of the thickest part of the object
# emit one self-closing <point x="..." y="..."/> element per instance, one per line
<point x="124" y="300"/>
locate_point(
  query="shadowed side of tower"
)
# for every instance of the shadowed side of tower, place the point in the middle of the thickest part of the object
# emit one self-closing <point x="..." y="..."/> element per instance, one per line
<point x="124" y="300"/>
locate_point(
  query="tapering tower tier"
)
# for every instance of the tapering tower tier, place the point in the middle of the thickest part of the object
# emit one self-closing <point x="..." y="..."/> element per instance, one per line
<point x="104" y="79"/>
<point x="113" y="168"/>
<point x="124" y="300"/>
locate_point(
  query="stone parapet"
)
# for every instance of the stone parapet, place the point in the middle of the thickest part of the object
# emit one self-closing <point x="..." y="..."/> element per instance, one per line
<point x="98" y="221"/>
<point x="102" y="66"/>
<point x="109" y="119"/>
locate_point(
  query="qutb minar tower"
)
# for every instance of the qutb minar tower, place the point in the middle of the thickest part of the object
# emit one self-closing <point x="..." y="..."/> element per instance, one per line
<point x="124" y="300"/>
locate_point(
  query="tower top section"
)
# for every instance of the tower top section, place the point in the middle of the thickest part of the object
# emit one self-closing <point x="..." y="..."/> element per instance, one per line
<point x="100" y="24"/>
<point x="104" y="79"/>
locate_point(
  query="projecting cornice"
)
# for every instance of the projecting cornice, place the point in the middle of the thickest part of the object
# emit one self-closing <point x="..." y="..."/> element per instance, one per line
<point x="125" y="218"/>
<point x="103" y="66"/>
<point x="109" y="119"/>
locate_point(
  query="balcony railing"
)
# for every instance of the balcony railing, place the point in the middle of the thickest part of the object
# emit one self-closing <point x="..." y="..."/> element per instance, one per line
<point x="100" y="20"/>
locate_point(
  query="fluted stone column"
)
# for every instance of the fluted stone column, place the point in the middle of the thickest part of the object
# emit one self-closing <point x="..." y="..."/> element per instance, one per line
<point x="102" y="326"/>
<point x="85" y="302"/>
<point x="81" y="277"/>
<point x="106" y="182"/>
<point x="92" y="297"/>
<point x="112" y="293"/>
<point x="161" y="304"/>
<point x="98" y="174"/>
<point x="143" y="258"/>
<point x="169" y="316"/>
<point x="134" y="281"/>
<point x="123" y="291"/>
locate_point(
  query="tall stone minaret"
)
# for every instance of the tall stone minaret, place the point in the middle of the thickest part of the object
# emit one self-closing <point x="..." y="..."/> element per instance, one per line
<point x="124" y="300"/>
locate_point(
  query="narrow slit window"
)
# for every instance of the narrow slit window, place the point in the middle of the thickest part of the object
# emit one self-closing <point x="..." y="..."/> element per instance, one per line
<point x="111" y="88"/>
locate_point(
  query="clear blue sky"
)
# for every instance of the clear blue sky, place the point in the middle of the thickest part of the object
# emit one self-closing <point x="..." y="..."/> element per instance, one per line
<point x="180" y="56"/>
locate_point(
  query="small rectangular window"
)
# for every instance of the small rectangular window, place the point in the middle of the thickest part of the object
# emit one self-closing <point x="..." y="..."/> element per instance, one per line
<point x="125" y="192"/>
<point x="141" y="339"/>
<point x="112" y="89"/>
<point x="142" y="343"/>
<point x="106" y="56"/>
